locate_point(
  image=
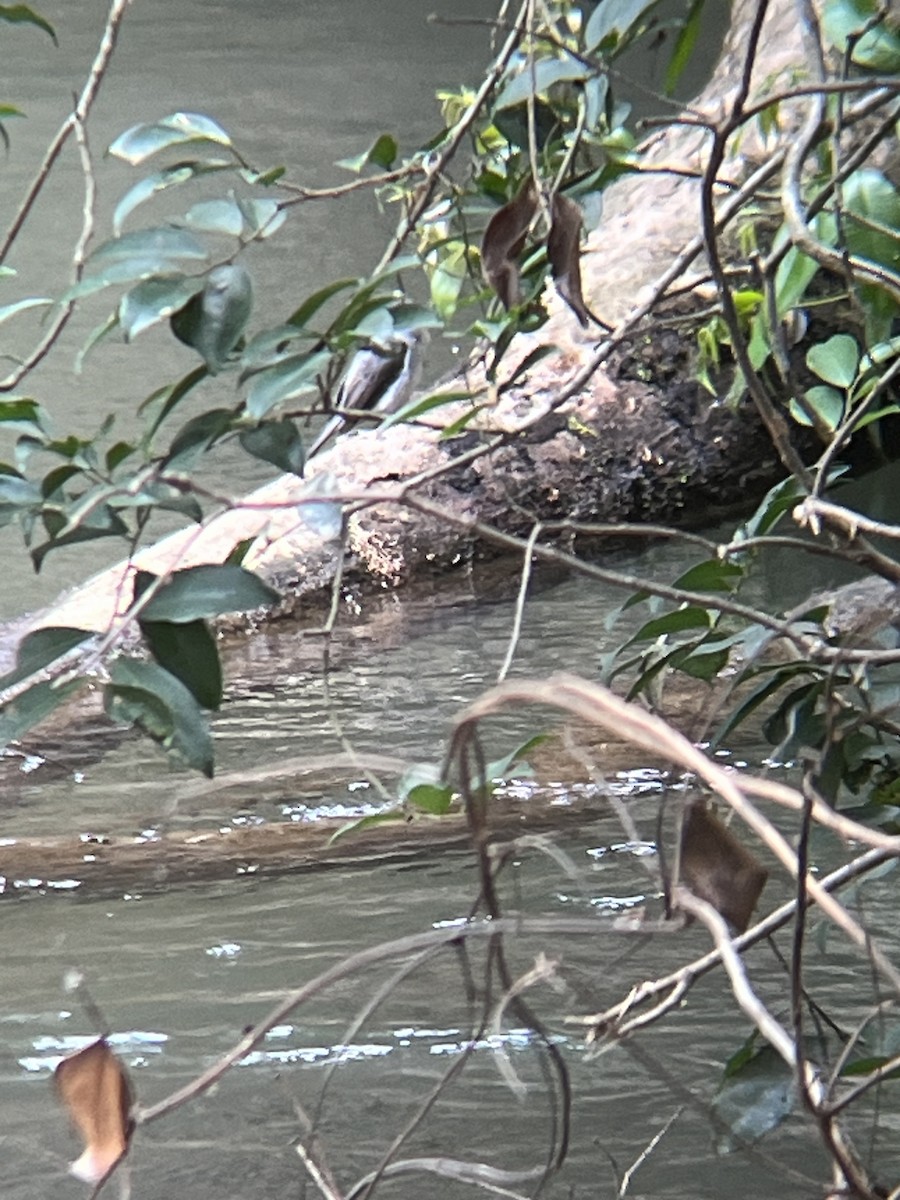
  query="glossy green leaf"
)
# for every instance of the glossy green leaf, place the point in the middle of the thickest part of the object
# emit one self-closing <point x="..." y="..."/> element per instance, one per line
<point x="101" y="523"/>
<point x="196" y="593"/>
<point x="22" y="14"/>
<point x="163" y="245"/>
<point x="430" y="798"/>
<point x="847" y="22"/>
<point x="137" y="255"/>
<point x="704" y="663"/>
<point x="168" y="398"/>
<point x="547" y="72"/>
<point x="275" y="442"/>
<point x="11" y="310"/>
<point x="117" y="454"/>
<point x="836" y="361"/>
<point x="198" y="435"/>
<point x="16" y="491"/>
<point x="216" y="216"/>
<point x="870" y="196"/>
<point x="142" y="141"/>
<point x="825" y="402"/>
<point x="776" y="502"/>
<point x="684" y="45"/>
<point x="23" y="414"/>
<point x="262" y="217"/>
<point x="311" y="305"/>
<point x="214" y="319"/>
<point x="612" y="19"/>
<point x="389" y="816"/>
<point x="160" y="181"/>
<point x="34" y="705"/>
<point x="41" y="647"/>
<point x="382" y="153"/>
<point x="144" y="694"/>
<point x="295" y="376"/>
<point x="689" y="617"/>
<point x="418" y="408"/>
<point x="188" y="651"/>
<point x="501" y="767"/>
<point x="755" y="1097"/>
<point x="714" y="575"/>
<point x="94" y="338"/>
<point x="153" y="300"/>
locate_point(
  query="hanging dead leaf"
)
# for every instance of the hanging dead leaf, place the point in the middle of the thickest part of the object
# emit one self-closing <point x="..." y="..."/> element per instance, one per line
<point x="564" y="254"/>
<point x="503" y="242"/>
<point x="717" y="868"/>
<point x="94" y="1088"/>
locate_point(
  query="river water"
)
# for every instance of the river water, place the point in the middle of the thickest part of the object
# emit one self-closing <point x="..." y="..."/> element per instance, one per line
<point x="180" y="971"/>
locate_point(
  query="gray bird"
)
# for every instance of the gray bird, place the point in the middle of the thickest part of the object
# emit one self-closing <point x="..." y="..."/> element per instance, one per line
<point x="380" y="378"/>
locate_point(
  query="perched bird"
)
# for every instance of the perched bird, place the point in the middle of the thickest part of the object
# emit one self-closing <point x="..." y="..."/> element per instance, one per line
<point x="380" y="378"/>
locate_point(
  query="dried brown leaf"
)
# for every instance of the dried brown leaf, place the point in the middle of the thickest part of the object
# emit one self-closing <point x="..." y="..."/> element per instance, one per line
<point x="503" y="242"/>
<point x="564" y="254"/>
<point x="95" y="1091"/>
<point x="717" y="868"/>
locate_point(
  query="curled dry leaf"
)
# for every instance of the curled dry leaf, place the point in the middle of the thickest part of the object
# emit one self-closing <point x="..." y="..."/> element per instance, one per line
<point x="503" y="242"/>
<point x="717" y="868"/>
<point x="564" y="254"/>
<point x="95" y="1091"/>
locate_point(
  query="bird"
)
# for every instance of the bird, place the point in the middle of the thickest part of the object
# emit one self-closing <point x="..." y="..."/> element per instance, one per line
<point x="380" y="378"/>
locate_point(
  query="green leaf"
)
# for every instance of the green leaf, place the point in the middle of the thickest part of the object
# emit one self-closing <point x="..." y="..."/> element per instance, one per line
<point x="836" y="361"/>
<point x="10" y="310"/>
<point x="430" y="798"/>
<point x="684" y="46"/>
<point x="418" y="408"/>
<point x="776" y="502"/>
<point x="94" y="338"/>
<point x="160" y="181"/>
<point x="216" y="216"/>
<point x="32" y="707"/>
<point x="870" y="196"/>
<point x="612" y="19"/>
<point x="293" y="377"/>
<point x="213" y="320"/>
<point x="825" y="402"/>
<point x="188" y="651"/>
<point x="42" y="647"/>
<point x="102" y="523"/>
<point x="275" y="442"/>
<point x="152" y="300"/>
<point x="196" y="593"/>
<point x="198" y="434"/>
<point x="142" y="141"/>
<point x="878" y="49"/>
<point x="168" y="398"/>
<point x="144" y="694"/>
<point x="754" y="1098"/>
<point x="500" y="767"/>
<point x="704" y="663"/>
<point x="21" y="14"/>
<point x="390" y="816"/>
<point x="22" y="414"/>
<point x="714" y="575"/>
<point x="163" y="245"/>
<point x="689" y="617"/>
<point x="313" y="303"/>
<point x="136" y="255"/>
<point x="382" y="153"/>
<point x="262" y="216"/>
<point x="547" y="71"/>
